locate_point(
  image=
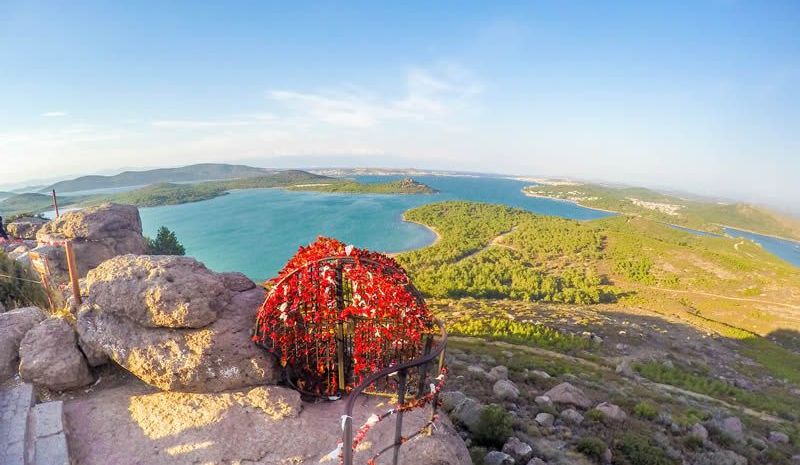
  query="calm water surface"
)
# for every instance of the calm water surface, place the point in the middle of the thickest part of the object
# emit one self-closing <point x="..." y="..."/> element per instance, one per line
<point x="257" y="231"/>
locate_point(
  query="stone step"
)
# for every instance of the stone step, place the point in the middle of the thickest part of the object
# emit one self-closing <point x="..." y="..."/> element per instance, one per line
<point x="16" y="400"/>
<point x="47" y="442"/>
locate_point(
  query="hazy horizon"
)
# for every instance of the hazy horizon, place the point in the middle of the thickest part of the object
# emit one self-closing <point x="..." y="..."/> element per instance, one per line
<point x="699" y="98"/>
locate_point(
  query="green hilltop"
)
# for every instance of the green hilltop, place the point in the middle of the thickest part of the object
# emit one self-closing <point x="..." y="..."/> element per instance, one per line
<point x="705" y="216"/>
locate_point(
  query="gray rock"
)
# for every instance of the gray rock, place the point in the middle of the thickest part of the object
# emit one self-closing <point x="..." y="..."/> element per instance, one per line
<point x="624" y="367"/>
<point x="218" y="357"/>
<point x="13" y="327"/>
<point x="451" y="400"/>
<point x="543" y="401"/>
<point x="97" y="233"/>
<point x="778" y="437"/>
<point x="723" y="457"/>
<point x="158" y="291"/>
<point x="571" y="417"/>
<point x="566" y="393"/>
<point x="607" y="457"/>
<point x="517" y="449"/>
<point x="476" y="369"/>
<point x="237" y="282"/>
<point x="497" y="373"/>
<point x="505" y="389"/>
<point x="733" y="427"/>
<point x="699" y="431"/>
<point x="540" y="374"/>
<point x="49" y="356"/>
<point x="25" y="227"/>
<point x="536" y="461"/>
<point x="468" y="413"/>
<point x="545" y="419"/>
<point x="498" y="458"/>
<point x="611" y="411"/>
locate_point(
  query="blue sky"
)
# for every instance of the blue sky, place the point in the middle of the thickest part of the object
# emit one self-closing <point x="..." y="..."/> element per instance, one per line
<point x="702" y="96"/>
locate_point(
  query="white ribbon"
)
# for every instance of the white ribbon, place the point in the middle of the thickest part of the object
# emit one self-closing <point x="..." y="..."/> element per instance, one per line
<point x="344" y="419"/>
<point x="335" y="453"/>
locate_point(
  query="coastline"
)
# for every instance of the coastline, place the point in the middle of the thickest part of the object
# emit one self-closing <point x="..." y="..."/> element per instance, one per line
<point x="436" y="240"/>
<point x="528" y="194"/>
<point x="772" y="236"/>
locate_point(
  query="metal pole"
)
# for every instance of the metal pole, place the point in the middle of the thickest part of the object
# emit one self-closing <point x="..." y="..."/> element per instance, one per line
<point x="348" y="441"/>
<point x="398" y="428"/>
<point x="55" y="202"/>
<point x="423" y="369"/>
<point x="73" y="272"/>
<point x="340" y="356"/>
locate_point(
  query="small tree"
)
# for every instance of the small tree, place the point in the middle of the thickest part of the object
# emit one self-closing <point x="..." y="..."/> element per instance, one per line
<point x="165" y="243"/>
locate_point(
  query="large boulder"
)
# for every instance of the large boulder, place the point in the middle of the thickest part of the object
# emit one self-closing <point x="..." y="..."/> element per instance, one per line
<point x="25" y="227"/>
<point x="49" y="356"/>
<point x="97" y="233"/>
<point x="565" y="393"/>
<point x="158" y="291"/>
<point x="13" y="327"/>
<point x="217" y="357"/>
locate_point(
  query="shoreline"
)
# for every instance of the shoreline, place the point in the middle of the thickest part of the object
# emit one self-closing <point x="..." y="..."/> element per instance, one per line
<point x="436" y="240"/>
<point x="773" y="236"/>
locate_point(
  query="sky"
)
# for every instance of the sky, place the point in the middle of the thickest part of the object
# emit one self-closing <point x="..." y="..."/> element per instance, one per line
<point x="699" y="96"/>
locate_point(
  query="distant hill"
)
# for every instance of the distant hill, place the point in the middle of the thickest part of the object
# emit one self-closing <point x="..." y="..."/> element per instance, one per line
<point x="402" y="186"/>
<point x="191" y="173"/>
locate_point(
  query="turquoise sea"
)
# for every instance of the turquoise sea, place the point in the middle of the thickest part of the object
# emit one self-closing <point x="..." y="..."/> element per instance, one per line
<point x="257" y="231"/>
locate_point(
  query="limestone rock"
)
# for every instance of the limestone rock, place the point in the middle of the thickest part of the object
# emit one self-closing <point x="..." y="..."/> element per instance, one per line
<point x="98" y="233"/>
<point x="571" y="416"/>
<point x="778" y="437"/>
<point x="733" y="427"/>
<point x="158" y="291"/>
<point x="237" y="282"/>
<point x="543" y="401"/>
<point x="505" y="390"/>
<point x="49" y="357"/>
<point x="468" y="413"/>
<point x="699" y="431"/>
<point x="218" y="357"/>
<point x="497" y="373"/>
<point x="723" y="457"/>
<point x="498" y="458"/>
<point x="13" y="327"/>
<point x="451" y="399"/>
<point x="566" y="393"/>
<point x="517" y="449"/>
<point x="611" y="411"/>
<point x="545" y="419"/>
<point x="25" y="227"/>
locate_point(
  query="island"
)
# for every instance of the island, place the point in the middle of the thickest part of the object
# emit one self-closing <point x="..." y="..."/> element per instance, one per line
<point x="696" y="214"/>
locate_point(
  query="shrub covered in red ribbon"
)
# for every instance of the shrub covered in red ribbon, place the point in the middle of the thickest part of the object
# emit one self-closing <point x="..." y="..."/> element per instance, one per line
<point x="330" y="288"/>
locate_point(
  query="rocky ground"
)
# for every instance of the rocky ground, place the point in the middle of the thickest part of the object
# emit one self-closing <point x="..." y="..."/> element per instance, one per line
<point x="591" y="403"/>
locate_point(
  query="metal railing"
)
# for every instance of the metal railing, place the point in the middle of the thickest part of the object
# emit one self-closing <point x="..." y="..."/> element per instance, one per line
<point x="422" y="364"/>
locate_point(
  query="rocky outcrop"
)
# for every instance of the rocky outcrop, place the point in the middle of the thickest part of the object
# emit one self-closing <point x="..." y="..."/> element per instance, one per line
<point x="215" y="357"/>
<point x="49" y="356"/>
<point x="566" y="393"/>
<point x="158" y="291"/>
<point x="98" y="233"/>
<point x="13" y="327"/>
<point x="237" y="282"/>
<point x="25" y="227"/>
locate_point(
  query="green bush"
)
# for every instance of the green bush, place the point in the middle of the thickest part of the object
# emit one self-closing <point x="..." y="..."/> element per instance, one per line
<point x="639" y="450"/>
<point x="18" y="287"/>
<point x="165" y="243"/>
<point x="477" y="454"/>
<point x="494" y="427"/>
<point x="645" y="410"/>
<point x="595" y="415"/>
<point x="591" y="447"/>
<point x="693" y="442"/>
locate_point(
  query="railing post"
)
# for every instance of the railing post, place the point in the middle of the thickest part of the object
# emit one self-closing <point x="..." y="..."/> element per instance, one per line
<point x="347" y="441"/>
<point x="340" y="356"/>
<point x="398" y="426"/>
<point x="423" y="369"/>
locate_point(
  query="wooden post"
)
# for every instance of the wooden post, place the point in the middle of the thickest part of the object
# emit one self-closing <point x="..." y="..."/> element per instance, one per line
<point x="55" y="202"/>
<point x="73" y="272"/>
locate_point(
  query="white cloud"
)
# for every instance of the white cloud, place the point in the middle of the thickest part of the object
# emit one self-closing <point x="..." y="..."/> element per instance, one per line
<point x="189" y="124"/>
<point x="54" y="114"/>
<point x="429" y="95"/>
